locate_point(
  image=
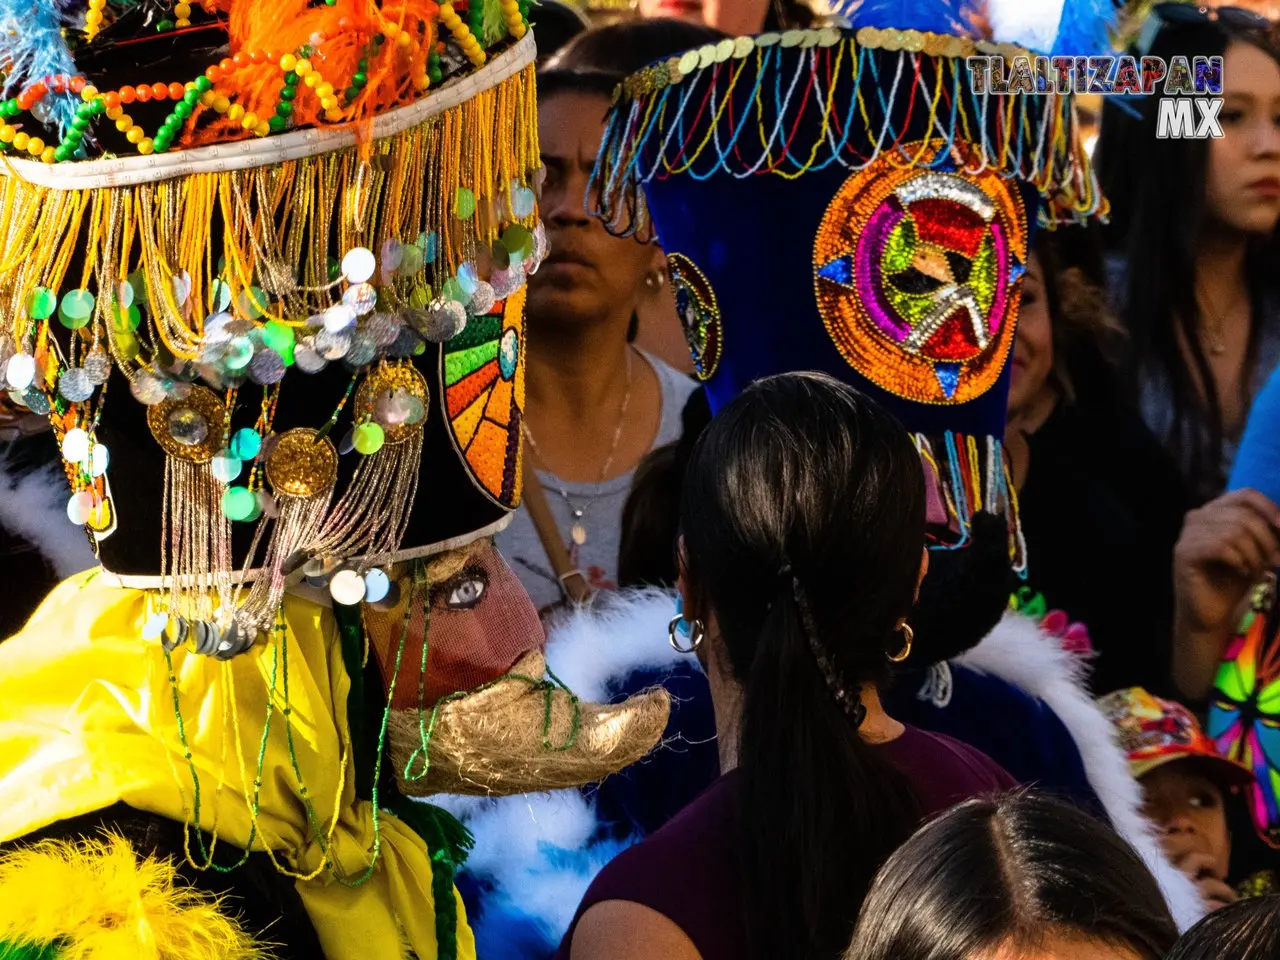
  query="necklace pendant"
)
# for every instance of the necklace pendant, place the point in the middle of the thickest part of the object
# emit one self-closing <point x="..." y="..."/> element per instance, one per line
<point x="578" y="533"/>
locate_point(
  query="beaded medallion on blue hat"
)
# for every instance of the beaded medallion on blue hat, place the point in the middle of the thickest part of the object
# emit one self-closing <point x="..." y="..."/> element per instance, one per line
<point x="916" y="271"/>
<point x="699" y="314"/>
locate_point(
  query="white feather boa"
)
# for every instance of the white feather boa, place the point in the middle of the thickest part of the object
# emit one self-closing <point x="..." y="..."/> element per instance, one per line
<point x="536" y="851"/>
<point x="1017" y="652"/>
<point x="33" y="506"/>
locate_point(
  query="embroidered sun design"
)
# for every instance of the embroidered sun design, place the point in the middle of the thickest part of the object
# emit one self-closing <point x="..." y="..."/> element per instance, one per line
<point x="917" y="273"/>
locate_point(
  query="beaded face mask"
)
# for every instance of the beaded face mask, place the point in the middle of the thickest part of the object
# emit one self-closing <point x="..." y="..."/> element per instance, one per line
<point x="917" y="274"/>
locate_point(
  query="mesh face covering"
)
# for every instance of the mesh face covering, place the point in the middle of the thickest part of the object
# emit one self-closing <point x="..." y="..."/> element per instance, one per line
<point x="476" y="618"/>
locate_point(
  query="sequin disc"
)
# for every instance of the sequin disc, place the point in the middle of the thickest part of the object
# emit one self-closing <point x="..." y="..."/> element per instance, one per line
<point x="99" y="458"/>
<point x="398" y="385"/>
<point x="188" y="427"/>
<point x="362" y="351"/>
<point x="21" y="371"/>
<point x="97" y="365"/>
<point x="81" y="507"/>
<point x="332" y="346"/>
<point x="147" y="389"/>
<point x="267" y="366"/>
<point x="239" y="504"/>
<point x="37" y="402"/>
<point x="301" y="465"/>
<point x="443" y="320"/>
<point x="154" y="626"/>
<point x="376" y="585"/>
<point x="75" y="385"/>
<point x="226" y="466"/>
<point x="75" y="445"/>
<point x="347" y="588"/>
<point x="358" y="264"/>
<point x="245" y="443"/>
<point x="307" y="360"/>
<point x="362" y="298"/>
<point x="339" y="317"/>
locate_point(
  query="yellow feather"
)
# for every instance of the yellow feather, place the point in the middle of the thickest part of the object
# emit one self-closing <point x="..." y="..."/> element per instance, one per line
<point x="102" y="902"/>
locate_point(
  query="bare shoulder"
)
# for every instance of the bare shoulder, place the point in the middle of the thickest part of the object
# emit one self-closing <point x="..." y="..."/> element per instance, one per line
<point x="623" y="930"/>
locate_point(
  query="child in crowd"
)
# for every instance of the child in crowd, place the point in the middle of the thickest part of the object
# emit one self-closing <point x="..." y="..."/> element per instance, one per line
<point x="1187" y="787"/>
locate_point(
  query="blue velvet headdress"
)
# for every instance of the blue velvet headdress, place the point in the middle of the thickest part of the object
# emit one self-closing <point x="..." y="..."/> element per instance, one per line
<point x="842" y="200"/>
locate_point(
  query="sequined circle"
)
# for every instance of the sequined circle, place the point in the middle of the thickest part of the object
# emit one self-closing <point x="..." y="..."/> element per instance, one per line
<point x="917" y="273"/>
<point x="699" y="314"/>
<point x="482" y="374"/>
<point x="300" y="465"/>
<point x="390" y="378"/>
<point x="199" y="402"/>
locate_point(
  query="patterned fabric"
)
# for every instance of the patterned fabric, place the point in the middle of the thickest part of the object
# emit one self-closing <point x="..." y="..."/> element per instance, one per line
<point x="1154" y="732"/>
<point x="1244" y="715"/>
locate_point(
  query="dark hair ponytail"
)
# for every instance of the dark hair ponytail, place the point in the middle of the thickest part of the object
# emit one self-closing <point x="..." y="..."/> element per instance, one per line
<point x="820" y="809"/>
<point x="803" y="523"/>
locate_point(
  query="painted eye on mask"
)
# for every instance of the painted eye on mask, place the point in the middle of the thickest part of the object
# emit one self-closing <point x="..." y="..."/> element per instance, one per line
<point x="463" y="590"/>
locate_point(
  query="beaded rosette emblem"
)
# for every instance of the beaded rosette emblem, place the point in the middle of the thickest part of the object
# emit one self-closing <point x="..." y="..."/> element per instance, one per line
<point x="916" y="272"/>
<point x="699" y="314"/>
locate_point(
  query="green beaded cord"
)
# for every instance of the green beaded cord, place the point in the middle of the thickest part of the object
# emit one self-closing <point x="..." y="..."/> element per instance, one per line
<point x="284" y="106"/>
<point x="182" y="110"/>
<point x="255" y="804"/>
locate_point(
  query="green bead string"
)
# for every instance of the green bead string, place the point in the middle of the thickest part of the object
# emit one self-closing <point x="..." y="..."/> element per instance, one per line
<point x="475" y="18"/>
<point x="284" y="107"/>
<point x="377" y="769"/>
<point x="182" y="110"/>
<point x="337" y="412"/>
<point x="79" y="126"/>
<point x="255" y="805"/>
<point x="434" y="71"/>
<point x="426" y="728"/>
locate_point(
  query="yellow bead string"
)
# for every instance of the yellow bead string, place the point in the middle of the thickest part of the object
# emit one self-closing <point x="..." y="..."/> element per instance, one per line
<point x="462" y="34"/>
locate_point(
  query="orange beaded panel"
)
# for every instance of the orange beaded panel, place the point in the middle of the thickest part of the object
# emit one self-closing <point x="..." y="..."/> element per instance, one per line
<point x="482" y="376"/>
<point x="917" y="273"/>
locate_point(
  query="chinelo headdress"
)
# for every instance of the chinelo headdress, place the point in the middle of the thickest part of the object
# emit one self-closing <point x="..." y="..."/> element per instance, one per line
<point x="848" y="200"/>
<point x="263" y="267"/>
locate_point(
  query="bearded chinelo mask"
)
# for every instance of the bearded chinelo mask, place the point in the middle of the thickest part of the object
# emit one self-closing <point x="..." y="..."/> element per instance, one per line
<point x="843" y="200"/>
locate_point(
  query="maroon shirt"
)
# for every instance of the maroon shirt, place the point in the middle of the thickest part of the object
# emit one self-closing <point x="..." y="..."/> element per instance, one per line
<point x="688" y="872"/>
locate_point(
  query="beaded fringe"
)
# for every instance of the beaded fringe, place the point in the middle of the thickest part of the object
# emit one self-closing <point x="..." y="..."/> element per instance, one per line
<point x="971" y="475"/>
<point x="445" y="184"/>
<point x="820" y="98"/>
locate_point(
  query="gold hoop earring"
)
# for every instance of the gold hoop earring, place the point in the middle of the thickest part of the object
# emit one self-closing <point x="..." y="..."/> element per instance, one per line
<point x="695" y="633"/>
<point x="908" y="635"/>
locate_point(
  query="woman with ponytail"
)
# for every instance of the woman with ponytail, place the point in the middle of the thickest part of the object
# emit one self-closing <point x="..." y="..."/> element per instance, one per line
<point x="803" y="548"/>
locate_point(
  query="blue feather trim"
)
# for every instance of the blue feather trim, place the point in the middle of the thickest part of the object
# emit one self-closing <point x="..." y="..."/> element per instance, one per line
<point x="1085" y="28"/>
<point x="31" y="41"/>
<point x="954" y="17"/>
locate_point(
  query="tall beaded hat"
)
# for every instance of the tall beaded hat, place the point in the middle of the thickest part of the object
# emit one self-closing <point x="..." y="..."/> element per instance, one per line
<point x="263" y="266"/>
<point x="847" y="200"/>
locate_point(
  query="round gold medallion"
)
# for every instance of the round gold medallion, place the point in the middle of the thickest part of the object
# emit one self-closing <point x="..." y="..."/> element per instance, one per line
<point x="302" y="465"/>
<point x="395" y="397"/>
<point x="189" y="428"/>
